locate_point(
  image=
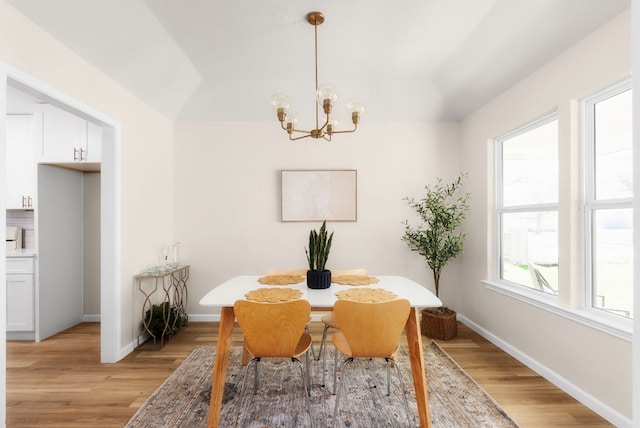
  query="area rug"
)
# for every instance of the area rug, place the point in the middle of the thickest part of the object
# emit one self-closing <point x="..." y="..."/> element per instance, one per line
<point x="455" y="400"/>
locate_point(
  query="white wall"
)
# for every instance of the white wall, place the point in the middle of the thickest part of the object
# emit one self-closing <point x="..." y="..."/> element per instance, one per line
<point x="597" y="364"/>
<point x="227" y="212"/>
<point x="146" y="145"/>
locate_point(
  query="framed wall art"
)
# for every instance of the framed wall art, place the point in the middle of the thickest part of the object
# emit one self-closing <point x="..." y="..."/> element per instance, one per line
<point x="317" y="195"/>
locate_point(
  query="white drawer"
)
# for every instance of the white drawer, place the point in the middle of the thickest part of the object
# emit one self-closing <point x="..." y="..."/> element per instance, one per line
<point x="20" y="265"/>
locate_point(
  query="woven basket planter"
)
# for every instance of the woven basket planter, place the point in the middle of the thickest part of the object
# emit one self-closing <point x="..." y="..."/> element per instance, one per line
<point x="443" y="327"/>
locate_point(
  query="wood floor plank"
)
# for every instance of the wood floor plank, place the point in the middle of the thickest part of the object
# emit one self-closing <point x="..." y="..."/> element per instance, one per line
<point x="60" y="382"/>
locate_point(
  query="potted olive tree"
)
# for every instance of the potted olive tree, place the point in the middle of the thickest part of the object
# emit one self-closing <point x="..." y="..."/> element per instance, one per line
<point x="317" y="255"/>
<point x="438" y="239"/>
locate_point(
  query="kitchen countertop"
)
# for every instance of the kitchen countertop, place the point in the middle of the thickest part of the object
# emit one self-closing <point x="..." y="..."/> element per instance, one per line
<point x="23" y="252"/>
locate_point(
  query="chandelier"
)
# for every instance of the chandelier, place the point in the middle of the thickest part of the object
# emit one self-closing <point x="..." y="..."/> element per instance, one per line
<point x="326" y="96"/>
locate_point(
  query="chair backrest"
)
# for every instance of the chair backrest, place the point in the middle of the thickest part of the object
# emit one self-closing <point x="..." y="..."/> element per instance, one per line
<point x="272" y="329"/>
<point x="372" y="329"/>
<point x="276" y="272"/>
<point x="349" y="272"/>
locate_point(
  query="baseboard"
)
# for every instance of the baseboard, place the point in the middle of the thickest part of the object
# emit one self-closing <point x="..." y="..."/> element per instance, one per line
<point x="129" y="348"/>
<point x="605" y="411"/>
<point x="91" y="318"/>
<point x="204" y="318"/>
<point x="21" y="335"/>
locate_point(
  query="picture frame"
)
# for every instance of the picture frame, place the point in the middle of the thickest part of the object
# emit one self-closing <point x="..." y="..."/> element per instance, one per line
<point x="318" y="195"/>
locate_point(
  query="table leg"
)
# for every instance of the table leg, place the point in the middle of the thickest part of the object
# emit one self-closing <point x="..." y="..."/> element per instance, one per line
<point x="414" y="342"/>
<point x="227" y="318"/>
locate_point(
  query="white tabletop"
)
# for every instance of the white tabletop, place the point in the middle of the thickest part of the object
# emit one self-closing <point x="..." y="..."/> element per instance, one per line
<point x="234" y="289"/>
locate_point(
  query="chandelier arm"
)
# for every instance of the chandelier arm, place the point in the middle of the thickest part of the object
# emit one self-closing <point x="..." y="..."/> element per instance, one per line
<point x="300" y="137"/>
<point x="301" y="130"/>
<point x="355" y="127"/>
<point x="294" y="130"/>
<point x="326" y="122"/>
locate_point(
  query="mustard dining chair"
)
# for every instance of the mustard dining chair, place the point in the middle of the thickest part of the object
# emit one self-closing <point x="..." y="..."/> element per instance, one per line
<point x="275" y="330"/>
<point x="293" y="272"/>
<point x="329" y="320"/>
<point x="369" y="330"/>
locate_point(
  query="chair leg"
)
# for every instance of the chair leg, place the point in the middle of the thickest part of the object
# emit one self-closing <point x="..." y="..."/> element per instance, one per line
<point x="307" y="364"/>
<point x="388" y="361"/>
<point x="243" y="390"/>
<point x="313" y="352"/>
<point x="256" y="375"/>
<point x="338" y="389"/>
<point x="404" y="393"/>
<point x="323" y="342"/>
<point x="307" y="391"/>
<point x="335" y="370"/>
<point x="323" y="352"/>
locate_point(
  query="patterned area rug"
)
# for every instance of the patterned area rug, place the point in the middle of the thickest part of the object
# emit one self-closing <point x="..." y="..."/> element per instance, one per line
<point x="455" y="400"/>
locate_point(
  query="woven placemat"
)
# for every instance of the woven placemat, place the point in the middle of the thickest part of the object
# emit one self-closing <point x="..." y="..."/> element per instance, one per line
<point x="354" y="280"/>
<point x="272" y="295"/>
<point x="366" y="295"/>
<point x="281" y="279"/>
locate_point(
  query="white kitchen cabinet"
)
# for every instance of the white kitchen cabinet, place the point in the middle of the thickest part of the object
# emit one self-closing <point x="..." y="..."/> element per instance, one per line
<point x="64" y="137"/>
<point x="20" y="163"/>
<point x="20" y="294"/>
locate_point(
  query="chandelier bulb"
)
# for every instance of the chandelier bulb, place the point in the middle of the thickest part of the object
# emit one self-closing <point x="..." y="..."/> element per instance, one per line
<point x="281" y="101"/>
<point x="326" y="92"/>
<point x="291" y="119"/>
<point x="355" y="106"/>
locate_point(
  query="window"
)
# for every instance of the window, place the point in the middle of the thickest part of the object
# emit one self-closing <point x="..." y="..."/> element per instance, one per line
<point x="527" y="205"/>
<point x="608" y="176"/>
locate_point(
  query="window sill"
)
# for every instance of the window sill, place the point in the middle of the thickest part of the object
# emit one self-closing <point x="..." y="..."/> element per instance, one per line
<point x="621" y="328"/>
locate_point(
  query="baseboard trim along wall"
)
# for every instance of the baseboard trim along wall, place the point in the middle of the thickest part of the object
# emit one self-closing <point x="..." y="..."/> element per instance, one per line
<point x="608" y="413"/>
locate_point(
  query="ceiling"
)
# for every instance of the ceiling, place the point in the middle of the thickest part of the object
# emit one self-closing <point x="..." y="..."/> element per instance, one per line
<point x="222" y="60"/>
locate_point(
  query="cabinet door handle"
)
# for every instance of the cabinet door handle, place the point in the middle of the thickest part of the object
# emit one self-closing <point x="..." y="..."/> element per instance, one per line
<point x="29" y="202"/>
<point x="24" y="202"/>
<point x="82" y="154"/>
<point x="75" y="153"/>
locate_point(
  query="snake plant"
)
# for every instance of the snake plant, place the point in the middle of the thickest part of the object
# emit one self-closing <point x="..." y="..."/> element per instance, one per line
<point x="319" y="247"/>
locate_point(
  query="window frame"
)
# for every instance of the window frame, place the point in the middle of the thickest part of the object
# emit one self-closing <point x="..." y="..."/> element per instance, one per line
<point x="500" y="209"/>
<point x="572" y="303"/>
<point x="589" y="203"/>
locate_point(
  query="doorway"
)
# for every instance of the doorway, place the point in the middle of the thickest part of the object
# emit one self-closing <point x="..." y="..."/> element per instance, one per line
<point x="109" y="196"/>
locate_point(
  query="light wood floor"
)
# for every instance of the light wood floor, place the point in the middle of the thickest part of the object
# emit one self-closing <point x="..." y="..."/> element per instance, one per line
<point x="60" y="383"/>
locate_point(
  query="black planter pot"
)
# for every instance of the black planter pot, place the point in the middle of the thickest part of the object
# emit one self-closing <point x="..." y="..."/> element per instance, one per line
<point x="318" y="280"/>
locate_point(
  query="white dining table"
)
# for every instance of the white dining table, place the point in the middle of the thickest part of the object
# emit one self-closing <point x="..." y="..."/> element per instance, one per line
<point x="226" y="294"/>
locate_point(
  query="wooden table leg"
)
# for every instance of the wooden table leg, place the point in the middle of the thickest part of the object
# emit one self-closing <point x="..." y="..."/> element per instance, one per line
<point x="414" y="341"/>
<point x="227" y="318"/>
